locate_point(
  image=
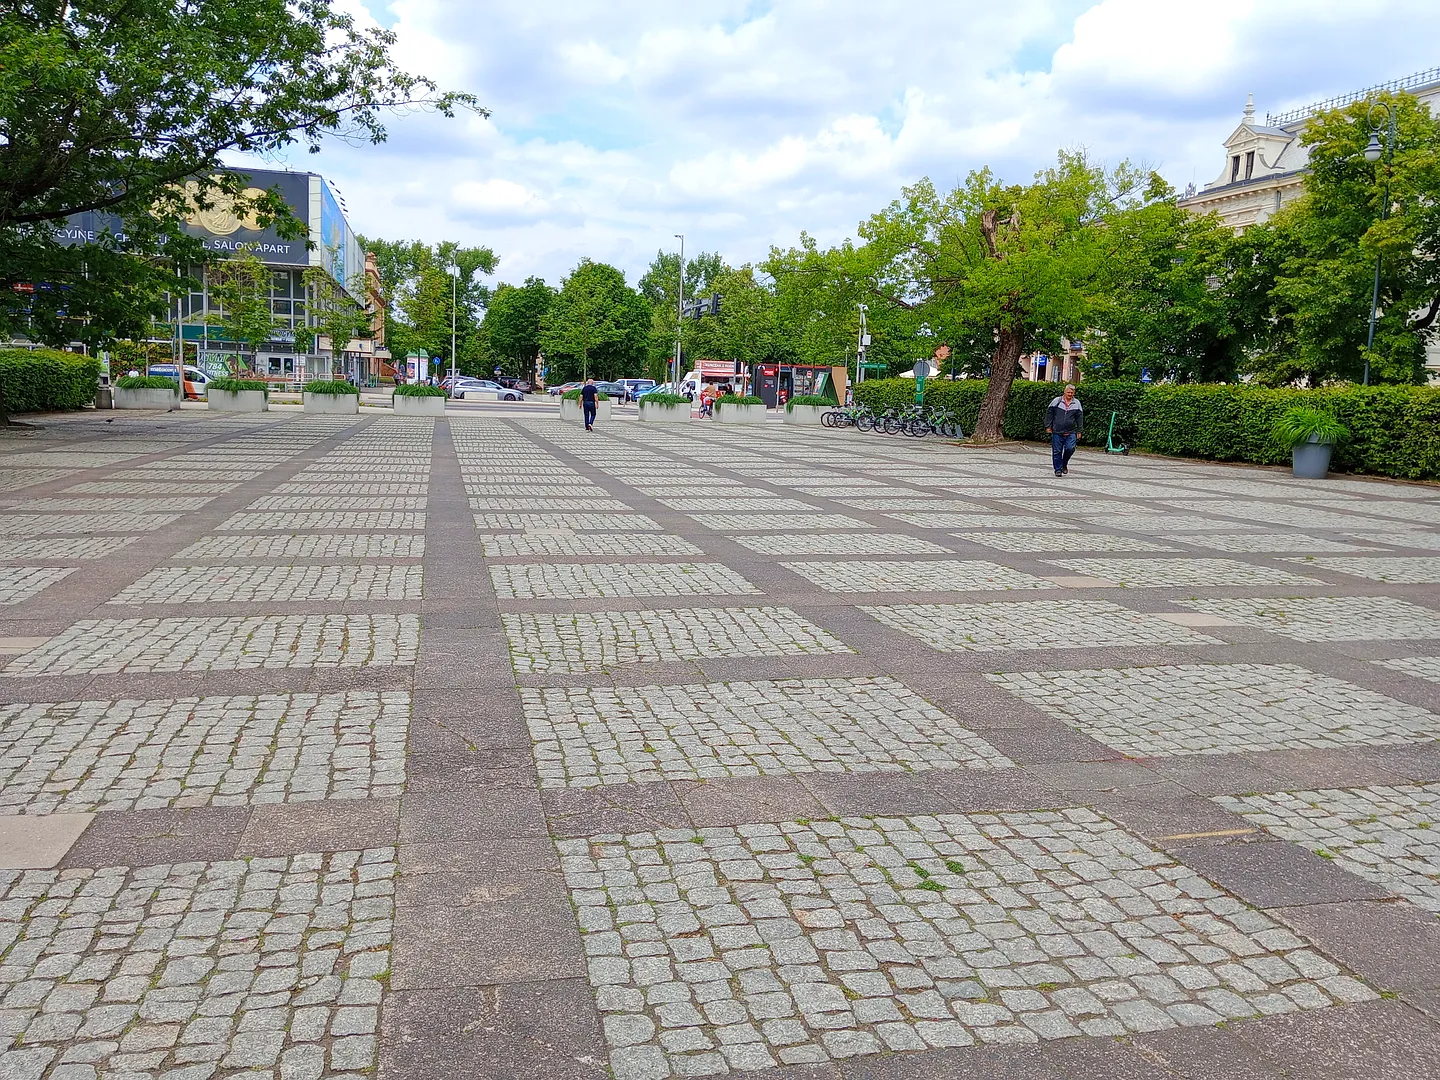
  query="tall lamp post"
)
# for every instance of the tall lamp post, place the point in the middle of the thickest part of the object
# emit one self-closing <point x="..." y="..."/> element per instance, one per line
<point x="1374" y="151"/>
<point x="679" y="318"/>
<point x="454" y="287"/>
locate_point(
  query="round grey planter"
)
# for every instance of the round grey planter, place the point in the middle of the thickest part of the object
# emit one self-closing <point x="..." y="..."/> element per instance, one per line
<point x="1311" y="460"/>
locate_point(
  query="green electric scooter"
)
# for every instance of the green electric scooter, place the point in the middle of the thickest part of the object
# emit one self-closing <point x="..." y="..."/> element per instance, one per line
<point x="1111" y="446"/>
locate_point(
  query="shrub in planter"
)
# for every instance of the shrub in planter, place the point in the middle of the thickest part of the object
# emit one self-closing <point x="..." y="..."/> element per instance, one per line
<point x="146" y="392"/>
<point x="807" y="409"/>
<point x="145" y="382"/>
<point x="411" y="400"/>
<point x="574" y="395"/>
<point x="237" y="395"/>
<point x="420" y="391"/>
<point x="570" y="407"/>
<point x="658" y="398"/>
<point x="1310" y="434"/>
<point x="237" y="386"/>
<point x="331" y="386"/>
<point x="46" y="380"/>
<point x="665" y="408"/>
<point x="813" y="400"/>
<point x="735" y="409"/>
<point x="331" y="396"/>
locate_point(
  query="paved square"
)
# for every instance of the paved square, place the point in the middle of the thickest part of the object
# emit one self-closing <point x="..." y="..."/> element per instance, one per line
<point x="585" y="581"/>
<point x="919" y="575"/>
<point x="271" y="584"/>
<point x="1045" y="543"/>
<point x="306" y="546"/>
<point x="19" y="583"/>
<point x="594" y="641"/>
<point x="779" y="522"/>
<point x="1033" y="624"/>
<point x="1182" y="573"/>
<point x="1421" y="667"/>
<point x="250" y="968"/>
<point x="740" y="948"/>
<point x="324" y="521"/>
<point x="515" y="545"/>
<point x="78" y="756"/>
<point x="1328" y="618"/>
<point x="581" y="522"/>
<point x="590" y="736"/>
<point x="80" y="548"/>
<point x="1411" y="570"/>
<point x="1220" y="708"/>
<point x="112" y="646"/>
<point x="84" y="524"/>
<point x="857" y="543"/>
<point x="1267" y="543"/>
<point x="1387" y="835"/>
<point x="984" y="520"/>
<point x="773" y="505"/>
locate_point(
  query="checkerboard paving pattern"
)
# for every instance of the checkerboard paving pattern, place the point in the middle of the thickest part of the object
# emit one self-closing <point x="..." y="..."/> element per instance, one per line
<point x="158" y="505"/>
<point x="1388" y="835"/>
<point x="945" y="520"/>
<point x="1044" y="543"/>
<point x="1328" y="618"/>
<point x="82" y="548"/>
<point x="594" y="641"/>
<point x="1182" y="573"/>
<point x="774" y="505"/>
<point x="19" y="583"/>
<point x="1268" y="543"/>
<point x="921" y="575"/>
<point x="1034" y="624"/>
<point x="588" y="736"/>
<point x="113" y="646"/>
<point x="857" y="543"/>
<point x="247" y="968"/>
<point x="779" y="522"/>
<point x="305" y="546"/>
<point x="742" y="948"/>
<point x="560" y="544"/>
<point x="1219" y="708"/>
<point x="1406" y="570"/>
<point x="83" y="524"/>
<point x="270" y="584"/>
<point x="332" y="501"/>
<point x="587" y="581"/>
<point x="582" y="522"/>
<point x="324" y="521"/>
<point x="79" y="756"/>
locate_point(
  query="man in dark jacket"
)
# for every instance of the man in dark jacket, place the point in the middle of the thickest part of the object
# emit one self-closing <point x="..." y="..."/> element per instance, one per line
<point x="589" y="403"/>
<point x="1065" y="421"/>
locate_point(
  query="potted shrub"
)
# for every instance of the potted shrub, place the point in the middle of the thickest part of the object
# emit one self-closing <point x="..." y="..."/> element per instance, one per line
<point x="331" y="396"/>
<point x="661" y="408"/>
<point x="1311" y="435"/>
<point x="734" y="409"/>
<point x="570" y="407"/>
<point x="146" y="392"/>
<point x="807" y="409"/>
<point x="237" y="395"/>
<point x="422" y="400"/>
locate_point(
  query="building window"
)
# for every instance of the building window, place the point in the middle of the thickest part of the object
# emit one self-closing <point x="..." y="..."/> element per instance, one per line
<point x="1249" y="164"/>
<point x="1235" y="168"/>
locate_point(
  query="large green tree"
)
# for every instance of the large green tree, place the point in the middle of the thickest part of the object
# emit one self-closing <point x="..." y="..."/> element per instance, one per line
<point x="126" y="109"/>
<point x="597" y="325"/>
<point x="240" y="291"/>
<point x="513" y="322"/>
<point x="425" y="284"/>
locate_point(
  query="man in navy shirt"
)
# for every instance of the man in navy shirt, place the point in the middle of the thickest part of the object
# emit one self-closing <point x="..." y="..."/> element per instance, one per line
<point x="1065" y="421"/>
<point x="589" y="399"/>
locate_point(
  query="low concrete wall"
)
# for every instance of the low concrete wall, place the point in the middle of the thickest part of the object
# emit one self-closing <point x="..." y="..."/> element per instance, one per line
<point x="740" y="414"/>
<point x="806" y="415"/>
<point x="236" y="401"/>
<point x="410" y="405"/>
<point x="664" y="414"/>
<point x="340" y="404"/>
<point x="570" y="410"/>
<point x="164" y="400"/>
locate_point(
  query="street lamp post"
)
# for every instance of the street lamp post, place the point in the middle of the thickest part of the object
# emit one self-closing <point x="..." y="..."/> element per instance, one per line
<point x="454" y="286"/>
<point x="862" y="347"/>
<point x="679" y="319"/>
<point x="1374" y="151"/>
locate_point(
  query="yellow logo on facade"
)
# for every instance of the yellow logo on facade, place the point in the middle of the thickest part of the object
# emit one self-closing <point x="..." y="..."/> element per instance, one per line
<point x="221" y="218"/>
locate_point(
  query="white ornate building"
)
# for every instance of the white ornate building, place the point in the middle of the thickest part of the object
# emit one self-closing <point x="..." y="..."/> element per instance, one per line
<point x="1265" y="163"/>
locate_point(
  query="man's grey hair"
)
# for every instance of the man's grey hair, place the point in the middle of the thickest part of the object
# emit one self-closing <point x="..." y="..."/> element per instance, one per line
<point x="1069" y="386"/>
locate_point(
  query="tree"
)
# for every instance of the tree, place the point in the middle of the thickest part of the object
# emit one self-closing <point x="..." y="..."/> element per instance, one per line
<point x="660" y="288"/>
<point x="417" y="278"/>
<point x="596" y="316"/>
<point x="240" y="289"/>
<point x="335" y="313"/>
<point x="126" y="110"/>
<point x="513" y="323"/>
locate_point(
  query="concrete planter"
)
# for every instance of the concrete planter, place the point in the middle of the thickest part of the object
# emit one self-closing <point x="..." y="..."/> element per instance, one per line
<point x="664" y="414"/>
<point x="164" y="400"/>
<point x="336" y="404"/>
<point x="1311" y="460"/>
<point x="740" y="414"/>
<point x="570" y="410"/>
<point x="236" y="401"/>
<point x="806" y="415"/>
<point x="410" y="405"/>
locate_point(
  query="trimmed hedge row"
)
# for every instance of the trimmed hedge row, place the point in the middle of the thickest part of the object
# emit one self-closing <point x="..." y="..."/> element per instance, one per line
<point x="1394" y="430"/>
<point x="47" y="380"/>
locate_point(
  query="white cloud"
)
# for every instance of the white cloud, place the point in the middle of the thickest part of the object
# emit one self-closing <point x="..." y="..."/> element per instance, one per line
<point x="616" y="124"/>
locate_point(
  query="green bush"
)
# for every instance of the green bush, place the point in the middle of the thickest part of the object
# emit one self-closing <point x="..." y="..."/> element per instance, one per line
<point x="736" y="399"/>
<point x="1301" y="424"/>
<point x="574" y="395"/>
<point x="47" y="380"/>
<point x="810" y="399"/>
<point x="145" y="382"/>
<point x="419" y="390"/>
<point x="236" y="386"/>
<point x="659" y="398"/>
<point x="331" y="386"/>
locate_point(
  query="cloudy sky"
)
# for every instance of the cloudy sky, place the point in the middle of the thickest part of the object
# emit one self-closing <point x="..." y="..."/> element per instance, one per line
<point x="618" y="123"/>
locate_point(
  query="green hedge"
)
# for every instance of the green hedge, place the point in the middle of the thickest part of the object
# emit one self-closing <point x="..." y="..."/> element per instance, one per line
<point x="574" y="395"/>
<point x="659" y="397"/>
<point x="146" y="382"/>
<point x="236" y="386"/>
<point x="46" y="380"/>
<point x="1394" y="430"/>
<point x="331" y="386"/>
<point x="419" y="390"/>
<point x="736" y="399"/>
<point x="810" y="399"/>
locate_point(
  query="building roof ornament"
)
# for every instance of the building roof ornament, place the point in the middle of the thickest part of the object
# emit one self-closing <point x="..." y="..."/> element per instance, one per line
<point x="1249" y="120"/>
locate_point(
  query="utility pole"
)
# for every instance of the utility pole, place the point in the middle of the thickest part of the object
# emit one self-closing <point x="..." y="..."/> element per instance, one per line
<point x="863" y="345"/>
<point x="679" y="317"/>
<point x="454" y="288"/>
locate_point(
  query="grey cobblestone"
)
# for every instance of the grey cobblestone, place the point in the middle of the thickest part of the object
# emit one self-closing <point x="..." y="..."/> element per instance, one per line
<point x="197" y="969"/>
<point x="580" y="522"/>
<point x="778" y="522"/>
<point x="1048" y="544"/>
<point x="857" y="543"/>
<point x="812" y="941"/>
<point x="19" y="583"/>
<point x="586" y="737"/>
<point x="269" y="584"/>
<point x="1220" y="708"/>
<point x="172" y="504"/>
<point x="306" y="546"/>
<point x="921" y="575"/>
<point x="580" y="581"/>
<point x="79" y="756"/>
<point x="1268" y="543"/>
<point x="1328" y="618"/>
<point x="559" y="544"/>
<point x="80" y="548"/>
<point x="82" y="524"/>
<point x="111" y="646"/>
<point x="594" y="641"/>
<point x="1411" y="570"/>
<point x="1182" y="573"/>
<point x="331" y="500"/>
<point x="1037" y="624"/>
<point x="323" y="521"/>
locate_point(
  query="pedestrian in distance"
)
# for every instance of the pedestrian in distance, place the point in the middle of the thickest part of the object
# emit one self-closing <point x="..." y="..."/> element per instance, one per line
<point x="589" y="403"/>
<point x="1065" y="423"/>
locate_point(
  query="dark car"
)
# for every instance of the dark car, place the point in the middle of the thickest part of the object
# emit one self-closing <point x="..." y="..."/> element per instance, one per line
<point x="511" y="383"/>
<point x="619" y="391"/>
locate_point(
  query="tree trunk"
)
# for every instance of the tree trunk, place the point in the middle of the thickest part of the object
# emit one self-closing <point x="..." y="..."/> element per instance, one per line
<point x="989" y="427"/>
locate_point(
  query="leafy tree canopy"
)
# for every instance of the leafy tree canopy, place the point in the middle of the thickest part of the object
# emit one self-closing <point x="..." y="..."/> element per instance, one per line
<point x="513" y="323"/>
<point x="424" y="283"/>
<point x="596" y="327"/>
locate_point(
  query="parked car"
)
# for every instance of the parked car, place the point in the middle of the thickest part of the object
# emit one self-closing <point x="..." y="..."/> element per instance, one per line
<point x="199" y="380"/>
<point x="637" y="387"/>
<point x="564" y="388"/>
<point x="619" y="391"/>
<point x="482" y="389"/>
<point x="512" y="383"/>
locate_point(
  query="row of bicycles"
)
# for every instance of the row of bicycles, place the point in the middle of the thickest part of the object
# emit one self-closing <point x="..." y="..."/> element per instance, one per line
<point x="916" y="421"/>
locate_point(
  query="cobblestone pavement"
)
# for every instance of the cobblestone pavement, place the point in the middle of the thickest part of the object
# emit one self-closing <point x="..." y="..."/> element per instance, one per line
<point x="336" y="748"/>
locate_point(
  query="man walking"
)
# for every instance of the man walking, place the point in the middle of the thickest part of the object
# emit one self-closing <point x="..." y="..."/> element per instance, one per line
<point x="589" y="403"/>
<point x="1065" y="422"/>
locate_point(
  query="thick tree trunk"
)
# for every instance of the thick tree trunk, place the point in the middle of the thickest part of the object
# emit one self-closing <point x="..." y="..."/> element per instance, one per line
<point x="1003" y="366"/>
